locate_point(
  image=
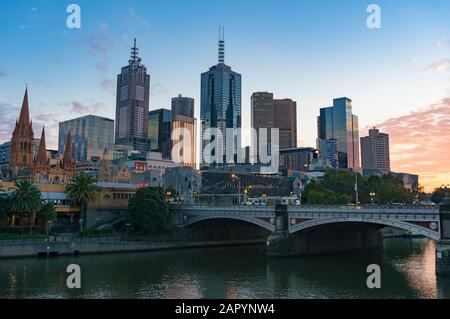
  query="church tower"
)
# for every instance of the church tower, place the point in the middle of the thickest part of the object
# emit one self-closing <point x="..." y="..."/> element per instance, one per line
<point x="22" y="141"/>
<point x="41" y="164"/>
<point x="68" y="163"/>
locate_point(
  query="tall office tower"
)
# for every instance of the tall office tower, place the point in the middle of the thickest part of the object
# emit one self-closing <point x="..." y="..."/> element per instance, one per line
<point x="220" y="103"/>
<point x="132" y="103"/>
<point x="182" y="105"/>
<point x="337" y="122"/>
<point x="160" y="131"/>
<point x="268" y="112"/>
<point x="91" y="135"/>
<point x="188" y="150"/>
<point x="22" y="141"/>
<point x="375" y="151"/>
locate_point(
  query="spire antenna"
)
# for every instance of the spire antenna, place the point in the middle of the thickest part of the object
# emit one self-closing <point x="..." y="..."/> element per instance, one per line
<point x="221" y="45"/>
<point x="134" y="53"/>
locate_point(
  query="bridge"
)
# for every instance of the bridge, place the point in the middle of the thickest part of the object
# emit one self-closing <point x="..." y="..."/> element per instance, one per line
<point x="423" y="220"/>
<point x="305" y="230"/>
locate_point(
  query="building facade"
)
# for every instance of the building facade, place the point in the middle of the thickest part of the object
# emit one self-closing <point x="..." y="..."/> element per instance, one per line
<point x="182" y="105"/>
<point x="160" y="132"/>
<point x="297" y="159"/>
<point x="132" y="104"/>
<point x="91" y="135"/>
<point x="220" y="107"/>
<point x="337" y="122"/>
<point x="375" y="151"/>
<point x="185" y="144"/>
<point x="267" y="112"/>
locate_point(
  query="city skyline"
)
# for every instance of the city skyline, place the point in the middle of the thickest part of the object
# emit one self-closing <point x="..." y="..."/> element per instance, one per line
<point x="412" y="117"/>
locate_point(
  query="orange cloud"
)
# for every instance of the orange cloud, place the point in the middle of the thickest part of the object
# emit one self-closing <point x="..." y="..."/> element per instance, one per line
<point x="420" y="144"/>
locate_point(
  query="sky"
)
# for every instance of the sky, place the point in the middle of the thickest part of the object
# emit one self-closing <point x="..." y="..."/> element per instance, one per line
<point x="311" y="51"/>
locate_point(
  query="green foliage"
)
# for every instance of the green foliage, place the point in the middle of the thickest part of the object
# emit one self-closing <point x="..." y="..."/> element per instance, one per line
<point x="81" y="190"/>
<point x="148" y="210"/>
<point x="338" y="187"/>
<point x="26" y="199"/>
<point x="439" y="194"/>
<point x="47" y="212"/>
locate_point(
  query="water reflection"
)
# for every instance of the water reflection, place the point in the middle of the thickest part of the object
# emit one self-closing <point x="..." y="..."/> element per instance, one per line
<point x="408" y="271"/>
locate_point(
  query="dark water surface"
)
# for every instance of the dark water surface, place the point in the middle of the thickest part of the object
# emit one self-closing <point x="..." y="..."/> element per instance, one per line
<point x="408" y="271"/>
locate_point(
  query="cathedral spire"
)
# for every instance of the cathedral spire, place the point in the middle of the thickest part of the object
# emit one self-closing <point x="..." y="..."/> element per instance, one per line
<point x="41" y="156"/>
<point x="24" y="118"/>
<point x="68" y="157"/>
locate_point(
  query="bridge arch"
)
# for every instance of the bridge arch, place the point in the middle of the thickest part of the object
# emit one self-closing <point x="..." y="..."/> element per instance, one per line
<point x="252" y="220"/>
<point x="382" y="222"/>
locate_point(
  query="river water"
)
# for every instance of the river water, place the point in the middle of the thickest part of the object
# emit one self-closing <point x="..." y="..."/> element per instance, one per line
<point x="407" y="271"/>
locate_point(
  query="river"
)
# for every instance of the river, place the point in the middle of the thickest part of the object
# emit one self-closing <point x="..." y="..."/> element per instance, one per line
<point x="407" y="271"/>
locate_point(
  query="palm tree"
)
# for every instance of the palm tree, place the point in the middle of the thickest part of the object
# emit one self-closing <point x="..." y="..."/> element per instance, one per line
<point x="26" y="199"/>
<point x="81" y="190"/>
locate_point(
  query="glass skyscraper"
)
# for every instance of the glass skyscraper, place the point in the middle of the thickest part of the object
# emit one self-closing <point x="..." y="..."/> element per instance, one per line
<point x="91" y="135"/>
<point x="337" y="122"/>
<point x="160" y="131"/>
<point x="132" y="104"/>
<point x="182" y="105"/>
<point x="220" y="102"/>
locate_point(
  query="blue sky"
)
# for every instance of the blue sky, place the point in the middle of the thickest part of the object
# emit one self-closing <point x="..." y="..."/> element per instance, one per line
<point x="310" y="51"/>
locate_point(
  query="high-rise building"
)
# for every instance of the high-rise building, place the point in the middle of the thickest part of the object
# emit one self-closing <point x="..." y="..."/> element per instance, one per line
<point x="267" y="112"/>
<point x="160" y="131"/>
<point x="5" y="149"/>
<point x="220" y="104"/>
<point x="337" y="122"/>
<point x="297" y="159"/>
<point x="375" y="151"/>
<point x="91" y="136"/>
<point x="188" y="152"/>
<point x="132" y="104"/>
<point x="182" y="105"/>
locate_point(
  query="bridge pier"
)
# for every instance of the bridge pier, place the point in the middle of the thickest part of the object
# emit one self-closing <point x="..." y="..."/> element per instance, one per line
<point x="278" y="242"/>
<point x="443" y="245"/>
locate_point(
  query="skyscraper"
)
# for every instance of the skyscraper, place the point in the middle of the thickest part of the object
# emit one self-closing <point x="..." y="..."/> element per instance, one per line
<point x="375" y="151"/>
<point x="220" y="102"/>
<point x="267" y="112"/>
<point x="91" y="136"/>
<point x="160" y="131"/>
<point x="188" y="152"/>
<point x="132" y="104"/>
<point x="182" y="105"/>
<point x="337" y="122"/>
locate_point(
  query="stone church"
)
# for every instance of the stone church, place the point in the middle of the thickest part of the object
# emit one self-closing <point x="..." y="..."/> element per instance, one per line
<point x="40" y="168"/>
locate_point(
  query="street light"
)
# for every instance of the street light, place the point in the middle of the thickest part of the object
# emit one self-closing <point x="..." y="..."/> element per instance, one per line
<point x="372" y="197"/>
<point x="234" y="177"/>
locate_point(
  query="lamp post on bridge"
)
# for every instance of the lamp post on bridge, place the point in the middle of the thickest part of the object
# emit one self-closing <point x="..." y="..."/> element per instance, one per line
<point x="372" y="197"/>
<point x="235" y="177"/>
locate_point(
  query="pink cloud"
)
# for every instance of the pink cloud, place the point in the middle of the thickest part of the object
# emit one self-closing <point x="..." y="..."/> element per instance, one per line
<point x="438" y="66"/>
<point x="420" y="143"/>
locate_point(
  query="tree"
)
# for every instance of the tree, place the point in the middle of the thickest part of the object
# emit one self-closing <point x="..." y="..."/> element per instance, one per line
<point x="47" y="213"/>
<point x="81" y="190"/>
<point x="439" y="194"/>
<point x="5" y="205"/>
<point x="26" y="199"/>
<point x="148" y="210"/>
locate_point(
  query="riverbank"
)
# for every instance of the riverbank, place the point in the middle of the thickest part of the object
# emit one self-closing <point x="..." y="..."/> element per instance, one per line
<point x="89" y="246"/>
